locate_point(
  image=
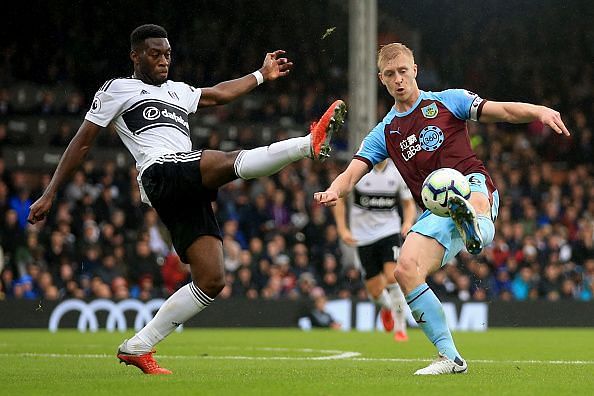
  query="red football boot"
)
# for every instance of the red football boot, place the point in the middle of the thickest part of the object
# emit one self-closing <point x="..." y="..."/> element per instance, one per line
<point x="144" y="362"/>
<point x="387" y="319"/>
<point x="400" y="336"/>
<point x="322" y="131"/>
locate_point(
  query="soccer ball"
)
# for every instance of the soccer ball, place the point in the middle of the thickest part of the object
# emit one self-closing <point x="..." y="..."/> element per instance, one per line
<point x="439" y="186"/>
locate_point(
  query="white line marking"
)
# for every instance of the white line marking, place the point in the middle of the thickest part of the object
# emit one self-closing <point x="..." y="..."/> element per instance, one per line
<point x="342" y="355"/>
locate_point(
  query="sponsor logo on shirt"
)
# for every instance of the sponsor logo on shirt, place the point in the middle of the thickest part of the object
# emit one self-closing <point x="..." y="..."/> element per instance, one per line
<point x="374" y="201"/>
<point x="152" y="113"/>
<point x="409" y="146"/>
<point x="431" y="138"/>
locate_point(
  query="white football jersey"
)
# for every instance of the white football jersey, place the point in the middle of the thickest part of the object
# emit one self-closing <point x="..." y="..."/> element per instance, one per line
<point x="374" y="211"/>
<point x="151" y="120"/>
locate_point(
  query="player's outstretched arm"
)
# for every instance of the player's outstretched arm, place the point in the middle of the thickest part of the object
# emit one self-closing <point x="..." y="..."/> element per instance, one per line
<point x="275" y="65"/>
<point x="343" y="184"/>
<point x="518" y="113"/>
<point x="71" y="159"/>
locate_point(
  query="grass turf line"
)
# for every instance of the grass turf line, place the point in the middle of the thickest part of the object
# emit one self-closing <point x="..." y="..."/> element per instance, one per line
<point x="292" y="362"/>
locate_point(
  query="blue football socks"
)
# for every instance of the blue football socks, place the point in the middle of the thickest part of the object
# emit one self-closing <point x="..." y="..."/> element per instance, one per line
<point x="487" y="228"/>
<point x="428" y="312"/>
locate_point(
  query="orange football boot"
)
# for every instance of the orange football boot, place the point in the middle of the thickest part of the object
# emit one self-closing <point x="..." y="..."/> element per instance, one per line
<point x="400" y="336"/>
<point x="146" y="363"/>
<point x="322" y="131"/>
<point x="387" y="319"/>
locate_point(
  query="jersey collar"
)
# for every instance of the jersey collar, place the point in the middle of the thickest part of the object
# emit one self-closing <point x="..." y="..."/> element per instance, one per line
<point x="412" y="108"/>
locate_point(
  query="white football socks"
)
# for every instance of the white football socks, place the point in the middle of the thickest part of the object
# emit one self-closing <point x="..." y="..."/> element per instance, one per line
<point x="383" y="300"/>
<point x="399" y="304"/>
<point x="266" y="161"/>
<point x="181" y="306"/>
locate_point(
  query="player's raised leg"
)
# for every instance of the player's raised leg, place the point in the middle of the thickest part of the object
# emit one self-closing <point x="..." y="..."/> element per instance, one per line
<point x="473" y="220"/>
<point x="264" y="161"/>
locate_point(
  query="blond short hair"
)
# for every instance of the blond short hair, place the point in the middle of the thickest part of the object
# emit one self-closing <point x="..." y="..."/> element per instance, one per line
<point x="391" y="51"/>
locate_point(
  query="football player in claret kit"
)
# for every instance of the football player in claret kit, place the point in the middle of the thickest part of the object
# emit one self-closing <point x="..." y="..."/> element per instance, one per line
<point x="422" y="132"/>
<point x="150" y="114"/>
<point x="376" y="229"/>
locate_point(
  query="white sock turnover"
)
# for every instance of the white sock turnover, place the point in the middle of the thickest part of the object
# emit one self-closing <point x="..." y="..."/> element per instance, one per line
<point x="181" y="306"/>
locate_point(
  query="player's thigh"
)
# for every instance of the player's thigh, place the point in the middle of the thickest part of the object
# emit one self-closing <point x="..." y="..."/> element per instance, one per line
<point x="205" y="256"/>
<point x="217" y="168"/>
<point x="420" y="256"/>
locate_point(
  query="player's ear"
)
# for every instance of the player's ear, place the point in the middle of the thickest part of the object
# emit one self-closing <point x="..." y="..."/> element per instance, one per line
<point x="381" y="78"/>
<point x="134" y="57"/>
<point x="415" y="69"/>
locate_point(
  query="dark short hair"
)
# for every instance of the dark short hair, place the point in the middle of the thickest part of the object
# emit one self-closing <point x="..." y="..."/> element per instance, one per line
<point x="143" y="32"/>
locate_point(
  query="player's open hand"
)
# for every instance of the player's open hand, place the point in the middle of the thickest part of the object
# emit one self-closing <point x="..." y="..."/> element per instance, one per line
<point x="275" y="65"/>
<point x="39" y="209"/>
<point x="326" y="198"/>
<point x="347" y="236"/>
<point x="552" y="118"/>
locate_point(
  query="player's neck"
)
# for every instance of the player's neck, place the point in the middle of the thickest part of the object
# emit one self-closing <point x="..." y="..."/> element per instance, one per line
<point x="405" y="105"/>
<point x="144" y="78"/>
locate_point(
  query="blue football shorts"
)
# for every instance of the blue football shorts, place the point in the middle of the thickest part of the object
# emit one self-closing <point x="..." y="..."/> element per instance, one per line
<point x="443" y="229"/>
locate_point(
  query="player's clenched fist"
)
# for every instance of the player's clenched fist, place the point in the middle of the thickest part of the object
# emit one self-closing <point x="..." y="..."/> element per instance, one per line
<point x="326" y="198"/>
<point x="39" y="209"/>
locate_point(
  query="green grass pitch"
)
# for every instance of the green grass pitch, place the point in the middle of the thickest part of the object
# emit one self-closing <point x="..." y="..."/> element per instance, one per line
<point x="292" y="362"/>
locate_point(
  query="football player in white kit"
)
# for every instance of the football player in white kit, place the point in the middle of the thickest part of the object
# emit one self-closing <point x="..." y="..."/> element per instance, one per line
<point x="376" y="229"/>
<point x="150" y="114"/>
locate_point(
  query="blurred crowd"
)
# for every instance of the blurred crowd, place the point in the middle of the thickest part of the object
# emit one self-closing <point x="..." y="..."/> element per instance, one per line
<point x="101" y="241"/>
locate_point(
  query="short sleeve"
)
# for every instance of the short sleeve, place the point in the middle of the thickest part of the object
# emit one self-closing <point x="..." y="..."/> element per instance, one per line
<point x="373" y="148"/>
<point x="464" y="104"/>
<point x="104" y="108"/>
<point x="194" y="95"/>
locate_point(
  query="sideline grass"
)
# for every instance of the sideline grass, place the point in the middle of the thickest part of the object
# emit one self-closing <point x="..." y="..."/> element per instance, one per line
<point x="292" y="362"/>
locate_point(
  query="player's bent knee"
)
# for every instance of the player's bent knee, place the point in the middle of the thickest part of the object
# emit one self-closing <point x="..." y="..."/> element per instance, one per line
<point x="406" y="272"/>
<point x="212" y="286"/>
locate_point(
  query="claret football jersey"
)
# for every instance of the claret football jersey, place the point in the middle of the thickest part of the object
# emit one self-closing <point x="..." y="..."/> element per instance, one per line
<point x="432" y="134"/>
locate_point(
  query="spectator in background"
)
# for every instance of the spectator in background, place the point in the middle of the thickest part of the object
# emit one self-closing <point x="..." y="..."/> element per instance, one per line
<point x="145" y="289"/>
<point x="108" y="271"/>
<point x="12" y="235"/>
<point x="46" y="104"/>
<point x="119" y="288"/>
<point x="63" y="135"/>
<point x="159" y="240"/>
<point x="320" y="318"/>
<point x="330" y="272"/>
<point x="20" y="203"/>
<point x="243" y="285"/>
<point x="75" y="104"/>
<point x="175" y="273"/>
<point x="144" y="262"/>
